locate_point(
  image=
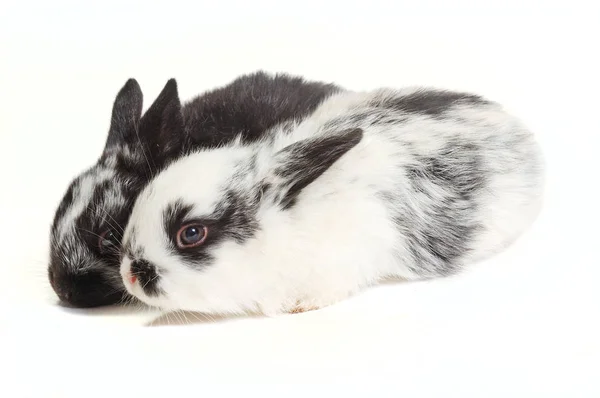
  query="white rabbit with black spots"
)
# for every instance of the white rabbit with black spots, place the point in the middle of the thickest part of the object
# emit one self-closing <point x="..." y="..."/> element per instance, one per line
<point x="412" y="183"/>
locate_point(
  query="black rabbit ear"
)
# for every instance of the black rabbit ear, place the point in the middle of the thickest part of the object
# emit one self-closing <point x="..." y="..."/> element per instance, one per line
<point x="126" y="114"/>
<point x="299" y="164"/>
<point x="161" y="128"/>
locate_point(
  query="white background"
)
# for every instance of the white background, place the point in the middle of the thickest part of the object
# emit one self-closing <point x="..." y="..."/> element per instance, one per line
<point x="524" y="324"/>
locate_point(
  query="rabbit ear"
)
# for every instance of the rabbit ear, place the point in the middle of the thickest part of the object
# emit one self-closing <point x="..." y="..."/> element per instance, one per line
<point x="161" y="127"/>
<point x="299" y="164"/>
<point x="126" y="113"/>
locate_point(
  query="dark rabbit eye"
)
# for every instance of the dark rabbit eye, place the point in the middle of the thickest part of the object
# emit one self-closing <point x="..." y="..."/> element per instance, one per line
<point x="107" y="241"/>
<point x="191" y="235"/>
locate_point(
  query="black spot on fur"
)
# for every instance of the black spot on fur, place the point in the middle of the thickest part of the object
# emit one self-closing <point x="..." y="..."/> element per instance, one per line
<point x="429" y="102"/>
<point x="237" y="217"/>
<point x="304" y="161"/>
<point x="146" y="276"/>
<point x="251" y="105"/>
<point x="234" y="218"/>
<point x="445" y="186"/>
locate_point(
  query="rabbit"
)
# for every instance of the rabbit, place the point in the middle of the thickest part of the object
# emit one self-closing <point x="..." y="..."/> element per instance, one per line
<point x="88" y="224"/>
<point x="414" y="183"/>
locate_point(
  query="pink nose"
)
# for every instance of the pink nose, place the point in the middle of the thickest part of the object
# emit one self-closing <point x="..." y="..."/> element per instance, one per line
<point x="132" y="279"/>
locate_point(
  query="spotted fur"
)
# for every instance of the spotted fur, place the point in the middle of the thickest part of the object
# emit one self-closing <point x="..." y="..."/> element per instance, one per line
<point x="137" y="148"/>
<point x="414" y="183"/>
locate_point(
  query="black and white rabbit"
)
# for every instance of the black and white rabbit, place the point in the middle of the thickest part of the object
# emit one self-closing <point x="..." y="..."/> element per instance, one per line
<point x="89" y="222"/>
<point x="412" y="183"/>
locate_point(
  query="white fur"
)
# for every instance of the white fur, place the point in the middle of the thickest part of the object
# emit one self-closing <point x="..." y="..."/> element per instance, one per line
<point x="81" y="199"/>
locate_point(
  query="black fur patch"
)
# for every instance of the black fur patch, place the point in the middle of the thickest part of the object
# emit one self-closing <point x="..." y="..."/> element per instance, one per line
<point x="251" y="105"/>
<point x="304" y="161"/>
<point x="147" y="277"/>
<point x="237" y="217"/>
<point x="234" y="218"/>
<point x="449" y="181"/>
<point x="429" y="102"/>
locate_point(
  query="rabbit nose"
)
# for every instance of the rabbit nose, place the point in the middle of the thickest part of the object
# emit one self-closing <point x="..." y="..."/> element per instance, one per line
<point x="146" y="274"/>
<point x="137" y="267"/>
<point x="129" y="276"/>
<point x="127" y="272"/>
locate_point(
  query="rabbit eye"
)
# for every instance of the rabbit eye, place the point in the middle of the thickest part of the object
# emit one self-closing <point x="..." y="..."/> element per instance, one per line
<point x="107" y="241"/>
<point x="191" y="235"/>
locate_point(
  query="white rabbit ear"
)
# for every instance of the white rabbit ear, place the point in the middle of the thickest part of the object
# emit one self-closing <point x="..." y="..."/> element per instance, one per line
<point x="161" y="127"/>
<point x="301" y="163"/>
<point x="126" y="114"/>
